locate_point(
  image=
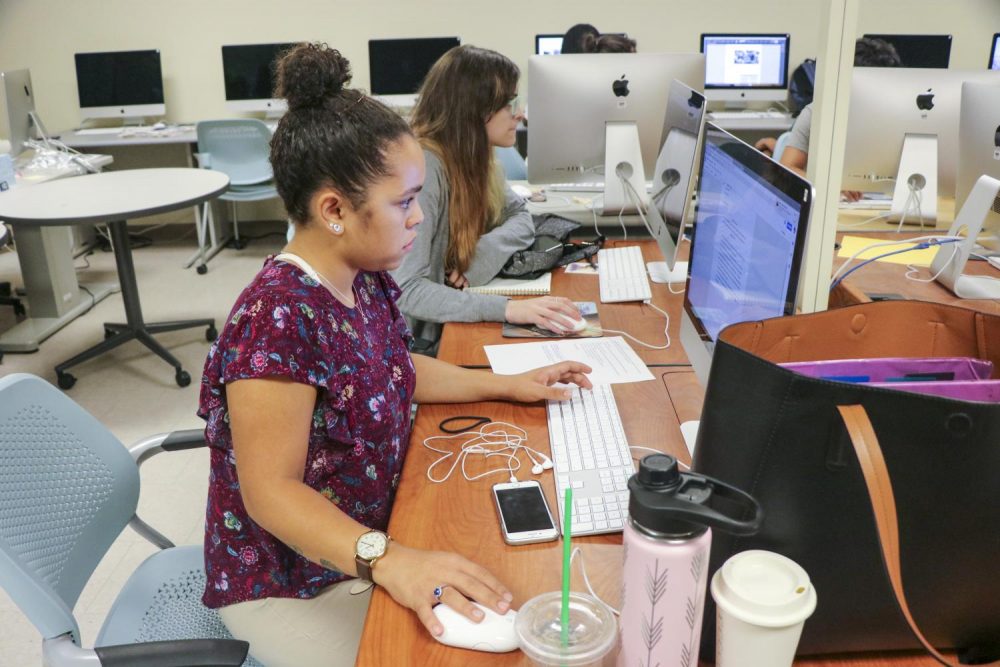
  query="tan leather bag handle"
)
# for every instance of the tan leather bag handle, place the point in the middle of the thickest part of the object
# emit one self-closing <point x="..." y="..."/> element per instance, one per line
<point x="866" y="446"/>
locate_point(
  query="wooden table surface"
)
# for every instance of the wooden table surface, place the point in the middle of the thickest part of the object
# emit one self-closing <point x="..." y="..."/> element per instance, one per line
<point x="458" y="515"/>
<point x="465" y="341"/>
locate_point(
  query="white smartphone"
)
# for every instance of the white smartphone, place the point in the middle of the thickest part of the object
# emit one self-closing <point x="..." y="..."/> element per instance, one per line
<point x="524" y="515"/>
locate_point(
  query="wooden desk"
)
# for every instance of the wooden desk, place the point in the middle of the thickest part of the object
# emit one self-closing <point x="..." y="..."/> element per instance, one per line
<point x="884" y="277"/>
<point x="850" y="220"/>
<point x="462" y="343"/>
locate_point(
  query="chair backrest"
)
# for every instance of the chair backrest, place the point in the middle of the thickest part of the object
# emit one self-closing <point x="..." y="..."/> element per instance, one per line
<point x="238" y="147"/>
<point x="513" y="164"/>
<point x="67" y="489"/>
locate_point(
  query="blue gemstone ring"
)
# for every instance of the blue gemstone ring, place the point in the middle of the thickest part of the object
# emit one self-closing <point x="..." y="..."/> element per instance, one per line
<point x="439" y="591"/>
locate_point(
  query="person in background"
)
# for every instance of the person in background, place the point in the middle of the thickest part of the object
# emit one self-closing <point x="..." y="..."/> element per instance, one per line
<point x="574" y="38"/>
<point x="308" y="389"/>
<point x="474" y="222"/>
<point x="867" y="53"/>
<point x="609" y="43"/>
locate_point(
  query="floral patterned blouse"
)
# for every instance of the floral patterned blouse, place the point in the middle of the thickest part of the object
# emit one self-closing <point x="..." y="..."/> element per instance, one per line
<point x="287" y="324"/>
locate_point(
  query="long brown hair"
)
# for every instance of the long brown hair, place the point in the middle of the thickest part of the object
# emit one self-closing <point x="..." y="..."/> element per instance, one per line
<point x="465" y="87"/>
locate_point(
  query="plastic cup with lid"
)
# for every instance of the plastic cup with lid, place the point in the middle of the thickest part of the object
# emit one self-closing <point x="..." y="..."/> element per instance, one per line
<point x="593" y="630"/>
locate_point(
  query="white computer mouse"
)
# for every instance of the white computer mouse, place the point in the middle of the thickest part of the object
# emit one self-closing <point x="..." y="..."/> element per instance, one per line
<point x="495" y="633"/>
<point x="159" y="126"/>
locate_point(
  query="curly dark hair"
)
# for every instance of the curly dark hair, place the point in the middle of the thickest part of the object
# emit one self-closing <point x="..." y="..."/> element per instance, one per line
<point x="331" y="136"/>
<point x="870" y="52"/>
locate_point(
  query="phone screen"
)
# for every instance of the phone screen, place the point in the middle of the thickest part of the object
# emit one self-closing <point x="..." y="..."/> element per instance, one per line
<point x="523" y="509"/>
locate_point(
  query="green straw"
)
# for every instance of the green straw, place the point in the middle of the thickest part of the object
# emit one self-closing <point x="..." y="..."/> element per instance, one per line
<point x="567" y="553"/>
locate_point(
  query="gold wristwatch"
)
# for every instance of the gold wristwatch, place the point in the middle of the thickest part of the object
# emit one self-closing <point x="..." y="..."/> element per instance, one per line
<point x="367" y="550"/>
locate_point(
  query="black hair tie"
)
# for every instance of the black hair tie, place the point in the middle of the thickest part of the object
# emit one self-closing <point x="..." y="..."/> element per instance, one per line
<point x="473" y="422"/>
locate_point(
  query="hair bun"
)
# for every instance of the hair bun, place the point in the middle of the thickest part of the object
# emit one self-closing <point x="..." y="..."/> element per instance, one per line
<point x="310" y="74"/>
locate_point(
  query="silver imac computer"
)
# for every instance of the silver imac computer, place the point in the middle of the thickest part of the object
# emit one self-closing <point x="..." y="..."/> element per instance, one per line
<point x="746" y="68"/>
<point x="120" y="84"/>
<point x="670" y="193"/>
<point x="548" y="44"/>
<point x="598" y="119"/>
<point x="902" y="135"/>
<point x="397" y="67"/>
<point x="994" y="62"/>
<point x="926" y="51"/>
<point x="977" y="188"/>
<point x="17" y="108"/>
<point x="746" y="245"/>
<point x="248" y="71"/>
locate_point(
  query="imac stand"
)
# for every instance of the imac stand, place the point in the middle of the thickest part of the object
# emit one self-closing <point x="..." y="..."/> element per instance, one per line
<point x="914" y="198"/>
<point x="951" y="258"/>
<point x="623" y="163"/>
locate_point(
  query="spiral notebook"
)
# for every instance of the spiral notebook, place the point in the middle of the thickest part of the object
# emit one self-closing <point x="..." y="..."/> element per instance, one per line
<point x="516" y="287"/>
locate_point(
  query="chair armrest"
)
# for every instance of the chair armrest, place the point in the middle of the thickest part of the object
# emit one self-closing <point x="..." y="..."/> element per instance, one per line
<point x="173" y="441"/>
<point x="204" y="160"/>
<point x="145" y="449"/>
<point x="178" y="653"/>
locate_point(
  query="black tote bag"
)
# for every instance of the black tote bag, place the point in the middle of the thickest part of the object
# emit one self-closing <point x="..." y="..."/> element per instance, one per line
<point x="778" y="436"/>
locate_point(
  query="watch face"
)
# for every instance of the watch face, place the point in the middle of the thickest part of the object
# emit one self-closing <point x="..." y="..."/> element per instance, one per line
<point x="372" y="545"/>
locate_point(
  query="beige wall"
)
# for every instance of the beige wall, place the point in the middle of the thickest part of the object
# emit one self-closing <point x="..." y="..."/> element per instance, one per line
<point x="44" y="34"/>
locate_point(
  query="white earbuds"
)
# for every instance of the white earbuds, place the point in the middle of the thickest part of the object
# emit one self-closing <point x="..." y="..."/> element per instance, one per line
<point x="492" y="439"/>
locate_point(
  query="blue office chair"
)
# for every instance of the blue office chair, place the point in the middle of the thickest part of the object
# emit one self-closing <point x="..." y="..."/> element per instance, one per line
<point x="514" y="166"/>
<point x="68" y="487"/>
<point x="240" y="148"/>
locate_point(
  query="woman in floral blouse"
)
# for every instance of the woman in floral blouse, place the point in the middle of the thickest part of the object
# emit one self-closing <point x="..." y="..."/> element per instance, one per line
<point x="307" y="391"/>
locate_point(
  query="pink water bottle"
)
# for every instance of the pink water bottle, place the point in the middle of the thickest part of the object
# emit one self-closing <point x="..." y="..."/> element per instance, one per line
<point x="667" y="539"/>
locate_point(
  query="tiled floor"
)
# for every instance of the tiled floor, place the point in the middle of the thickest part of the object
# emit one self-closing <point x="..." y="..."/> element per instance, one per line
<point x="133" y="393"/>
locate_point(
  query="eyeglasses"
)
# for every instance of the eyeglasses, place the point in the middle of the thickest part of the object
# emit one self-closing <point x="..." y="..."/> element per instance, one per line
<point x="514" y="106"/>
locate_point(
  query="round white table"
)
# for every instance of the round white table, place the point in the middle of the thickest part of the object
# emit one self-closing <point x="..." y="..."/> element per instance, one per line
<point x="113" y="197"/>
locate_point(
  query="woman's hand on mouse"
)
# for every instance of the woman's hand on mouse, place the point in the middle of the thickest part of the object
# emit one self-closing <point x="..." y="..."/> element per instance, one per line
<point x="548" y="312"/>
<point x="411" y="576"/>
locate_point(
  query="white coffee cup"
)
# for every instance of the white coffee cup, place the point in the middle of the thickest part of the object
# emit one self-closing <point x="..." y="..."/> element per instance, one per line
<point x="762" y="601"/>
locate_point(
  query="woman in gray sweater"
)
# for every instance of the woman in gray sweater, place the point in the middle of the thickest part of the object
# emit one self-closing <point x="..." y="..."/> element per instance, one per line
<point x="473" y="221"/>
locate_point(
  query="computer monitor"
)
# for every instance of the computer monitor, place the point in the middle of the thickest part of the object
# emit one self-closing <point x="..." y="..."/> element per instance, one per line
<point x="746" y="67"/>
<point x="17" y="109"/>
<point x="995" y="53"/>
<point x="902" y="133"/>
<point x="672" y="176"/>
<point x="548" y="45"/>
<point x="397" y="67"/>
<point x="977" y="206"/>
<point x="576" y="99"/>
<point x="120" y="84"/>
<point x="925" y="51"/>
<point x="746" y="245"/>
<point x="248" y="71"/>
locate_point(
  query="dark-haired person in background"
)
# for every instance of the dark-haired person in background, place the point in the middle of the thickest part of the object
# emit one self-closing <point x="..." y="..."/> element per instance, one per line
<point x="867" y="53"/>
<point x="307" y="392"/>
<point x="609" y="43"/>
<point x="574" y="38"/>
<point x="468" y="105"/>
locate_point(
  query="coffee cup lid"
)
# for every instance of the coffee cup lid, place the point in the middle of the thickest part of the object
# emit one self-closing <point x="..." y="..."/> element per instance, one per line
<point x="764" y="588"/>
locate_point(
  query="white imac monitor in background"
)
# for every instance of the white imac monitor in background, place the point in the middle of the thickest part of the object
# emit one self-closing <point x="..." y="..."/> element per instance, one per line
<point x="977" y="194"/>
<point x="746" y="67"/>
<point x="120" y="84"/>
<point x="902" y="135"/>
<point x="670" y="193"/>
<point x="746" y="245"/>
<point x="17" y="107"/>
<point x="577" y="100"/>
<point x="249" y="74"/>
<point x="995" y="52"/>
<point x="397" y="67"/>
<point x="548" y="45"/>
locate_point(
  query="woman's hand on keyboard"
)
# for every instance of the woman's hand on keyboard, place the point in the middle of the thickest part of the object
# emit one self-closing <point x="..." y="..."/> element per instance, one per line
<point x="548" y="312"/>
<point x="536" y="385"/>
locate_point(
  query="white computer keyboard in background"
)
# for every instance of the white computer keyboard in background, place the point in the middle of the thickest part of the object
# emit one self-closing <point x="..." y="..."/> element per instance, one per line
<point x="748" y="115"/>
<point x="99" y="130"/>
<point x="622" y="274"/>
<point x="590" y="454"/>
<point x="588" y="186"/>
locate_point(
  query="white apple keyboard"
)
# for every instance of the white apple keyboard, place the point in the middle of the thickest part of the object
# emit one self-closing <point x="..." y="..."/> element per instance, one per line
<point x="495" y="633"/>
<point x="748" y="115"/>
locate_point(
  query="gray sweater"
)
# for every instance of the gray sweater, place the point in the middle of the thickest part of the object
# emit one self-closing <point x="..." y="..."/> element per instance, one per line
<point x="421" y="276"/>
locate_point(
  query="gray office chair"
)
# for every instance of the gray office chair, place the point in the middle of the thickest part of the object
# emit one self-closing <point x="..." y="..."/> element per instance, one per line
<point x="240" y="148"/>
<point x="68" y="487"/>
